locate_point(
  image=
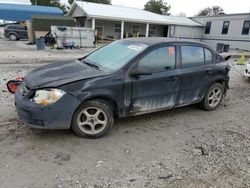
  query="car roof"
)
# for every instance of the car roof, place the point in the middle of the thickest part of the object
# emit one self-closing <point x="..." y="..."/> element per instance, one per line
<point x="159" y="40"/>
<point x="13" y="25"/>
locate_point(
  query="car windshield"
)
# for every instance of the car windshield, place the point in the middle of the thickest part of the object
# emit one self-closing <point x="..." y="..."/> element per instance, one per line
<point x="115" y="55"/>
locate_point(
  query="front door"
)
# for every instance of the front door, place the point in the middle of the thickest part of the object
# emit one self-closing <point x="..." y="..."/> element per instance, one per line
<point x="158" y="90"/>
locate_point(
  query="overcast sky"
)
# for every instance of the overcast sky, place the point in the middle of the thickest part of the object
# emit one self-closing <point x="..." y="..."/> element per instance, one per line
<point x="190" y="7"/>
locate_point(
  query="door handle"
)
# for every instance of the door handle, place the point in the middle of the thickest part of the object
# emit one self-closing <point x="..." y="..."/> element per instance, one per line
<point x="172" y="78"/>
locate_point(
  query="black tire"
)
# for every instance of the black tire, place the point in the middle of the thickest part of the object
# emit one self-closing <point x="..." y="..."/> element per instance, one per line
<point x="206" y="103"/>
<point x="85" y="131"/>
<point x="13" y="37"/>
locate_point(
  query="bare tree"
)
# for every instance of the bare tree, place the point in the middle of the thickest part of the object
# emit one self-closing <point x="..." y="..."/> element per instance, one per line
<point x="210" y="11"/>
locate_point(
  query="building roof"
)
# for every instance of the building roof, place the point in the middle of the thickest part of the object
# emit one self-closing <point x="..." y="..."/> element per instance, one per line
<point x="21" y="12"/>
<point x="224" y="15"/>
<point x="119" y="13"/>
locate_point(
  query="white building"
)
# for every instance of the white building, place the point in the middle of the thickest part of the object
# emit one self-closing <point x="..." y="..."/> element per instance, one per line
<point x="117" y="22"/>
<point x="114" y="22"/>
<point x="228" y="30"/>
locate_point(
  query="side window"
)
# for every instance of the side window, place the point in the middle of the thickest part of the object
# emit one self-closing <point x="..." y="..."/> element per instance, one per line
<point x="208" y="27"/>
<point x="160" y="59"/>
<point x="246" y="27"/>
<point x="12" y="27"/>
<point x="135" y="28"/>
<point x="118" y="28"/>
<point x="225" y="27"/>
<point x="21" y="27"/>
<point x="208" y="56"/>
<point x="192" y="56"/>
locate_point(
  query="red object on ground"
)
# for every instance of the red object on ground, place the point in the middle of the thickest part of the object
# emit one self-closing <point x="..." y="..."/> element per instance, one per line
<point x="12" y="85"/>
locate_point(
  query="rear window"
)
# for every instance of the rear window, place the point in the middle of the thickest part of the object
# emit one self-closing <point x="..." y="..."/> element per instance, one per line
<point x="208" y="56"/>
<point x="10" y="27"/>
<point x="192" y="56"/>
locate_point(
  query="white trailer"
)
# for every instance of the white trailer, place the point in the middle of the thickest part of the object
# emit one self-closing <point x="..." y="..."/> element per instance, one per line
<point x="73" y="36"/>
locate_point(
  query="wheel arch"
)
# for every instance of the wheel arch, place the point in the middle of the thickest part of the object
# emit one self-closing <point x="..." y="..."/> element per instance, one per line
<point x="104" y="98"/>
<point x="219" y="80"/>
<point x="224" y="83"/>
<point x="12" y="33"/>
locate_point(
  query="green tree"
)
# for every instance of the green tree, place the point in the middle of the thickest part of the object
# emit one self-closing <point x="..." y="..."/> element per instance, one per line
<point x="210" y="11"/>
<point x="51" y="3"/>
<point x="158" y="7"/>
<point x="217" y="10"/>
<point x="70" y="2"/>
<point x="96" y="1"/>
<point x="45" y="2"/>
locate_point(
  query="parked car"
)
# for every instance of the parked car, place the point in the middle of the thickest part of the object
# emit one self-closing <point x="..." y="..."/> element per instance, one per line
<point x="247" y="70"/>
<point x="15" y="32"/>
<point x="125" y="78"/>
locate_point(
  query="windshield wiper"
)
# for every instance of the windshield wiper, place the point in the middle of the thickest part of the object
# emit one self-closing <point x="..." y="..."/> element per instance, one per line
<point x="92" y="65"/>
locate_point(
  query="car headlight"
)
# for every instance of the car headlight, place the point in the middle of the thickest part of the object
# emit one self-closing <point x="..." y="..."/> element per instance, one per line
<point x="47" y="96"/>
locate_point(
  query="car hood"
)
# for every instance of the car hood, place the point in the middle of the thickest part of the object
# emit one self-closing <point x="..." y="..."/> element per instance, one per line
<point x="57" y="74"/>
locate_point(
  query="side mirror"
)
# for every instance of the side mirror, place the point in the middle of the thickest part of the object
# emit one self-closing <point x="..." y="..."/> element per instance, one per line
<point x="141" y="71"/>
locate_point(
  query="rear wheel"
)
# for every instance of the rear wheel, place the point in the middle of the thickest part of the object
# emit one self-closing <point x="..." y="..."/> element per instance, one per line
<point x="213" y="97"/>
<point x="93" y="119"/>
<point x="13" y="37"/>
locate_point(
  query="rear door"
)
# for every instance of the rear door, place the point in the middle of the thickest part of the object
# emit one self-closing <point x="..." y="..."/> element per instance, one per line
<point x="196" y="71"/>
<point x="158" y="90"/>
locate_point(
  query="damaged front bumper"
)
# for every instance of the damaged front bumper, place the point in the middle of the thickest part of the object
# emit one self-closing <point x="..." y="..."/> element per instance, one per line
<point x="55" y="116"/>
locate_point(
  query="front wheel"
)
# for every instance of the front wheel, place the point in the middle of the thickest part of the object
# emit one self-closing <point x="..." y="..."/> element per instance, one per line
<point x="213" y="97"/>
<point x="93" y="119"/>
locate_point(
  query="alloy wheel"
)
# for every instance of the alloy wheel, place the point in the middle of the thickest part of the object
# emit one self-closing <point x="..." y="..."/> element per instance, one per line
<point x="92" y="120"/>
<point x="214" y="97"/>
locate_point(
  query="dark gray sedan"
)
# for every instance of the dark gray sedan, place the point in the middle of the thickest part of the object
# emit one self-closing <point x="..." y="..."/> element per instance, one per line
<point x="125" y="78"/>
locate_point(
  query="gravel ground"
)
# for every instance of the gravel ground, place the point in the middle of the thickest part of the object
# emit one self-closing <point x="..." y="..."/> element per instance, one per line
<point x="13" y="52"/>
<point x="184" y="147"/>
